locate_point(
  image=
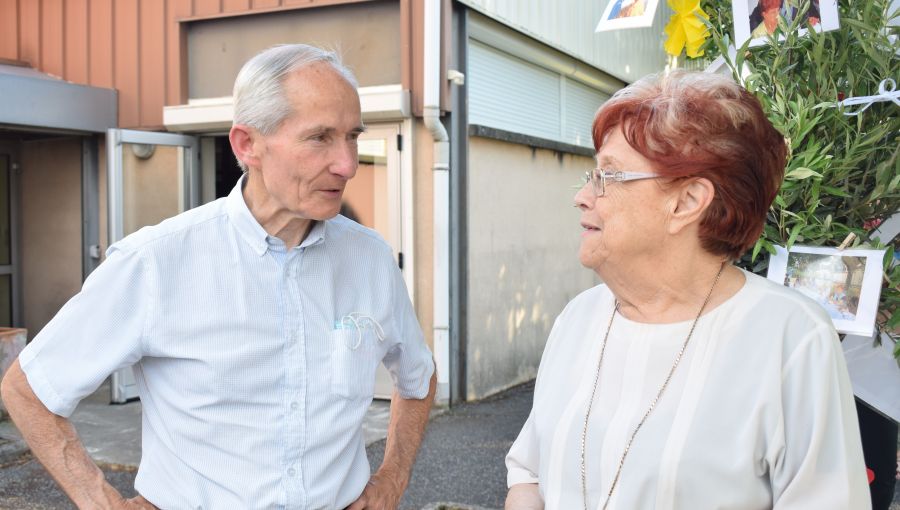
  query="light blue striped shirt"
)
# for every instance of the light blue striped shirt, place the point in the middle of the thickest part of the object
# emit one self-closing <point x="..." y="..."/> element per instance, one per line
<point x="255" y="364"/>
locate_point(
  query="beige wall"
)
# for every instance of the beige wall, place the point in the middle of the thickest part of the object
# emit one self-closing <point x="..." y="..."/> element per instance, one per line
<point x="522" y="255"/>
<point x="424" y="228"/>
<point x="150" y="187"/>
<point x="50" y="191"/>
<point x="367" y="35"/>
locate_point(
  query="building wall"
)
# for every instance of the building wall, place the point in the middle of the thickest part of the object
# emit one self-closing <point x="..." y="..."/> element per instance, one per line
<point x="523" y="263"/>
<point x="50" y="235"/>
<point x="367" y="36"/>
<point x="139" y="47"/>
<point x="424" y="228"/>
<point x="568" y="25"/>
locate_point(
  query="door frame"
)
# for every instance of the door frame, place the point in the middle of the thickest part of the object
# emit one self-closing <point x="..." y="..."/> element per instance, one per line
<point x="11" y="149"/>
<point x="122" y="384"/>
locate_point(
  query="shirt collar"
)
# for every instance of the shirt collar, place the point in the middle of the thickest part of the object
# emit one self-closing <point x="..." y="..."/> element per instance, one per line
<point x="252" y="232"/>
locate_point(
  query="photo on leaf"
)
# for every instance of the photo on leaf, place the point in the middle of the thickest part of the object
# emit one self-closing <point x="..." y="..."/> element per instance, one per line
<point x="846" y="283"/>
<point x="758" y="19"/>
<point x="627" y="14"/>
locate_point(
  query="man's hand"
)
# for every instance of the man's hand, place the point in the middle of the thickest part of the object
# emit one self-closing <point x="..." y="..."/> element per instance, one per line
<point x="383" y="492"/>
<point x="55" y="443"/>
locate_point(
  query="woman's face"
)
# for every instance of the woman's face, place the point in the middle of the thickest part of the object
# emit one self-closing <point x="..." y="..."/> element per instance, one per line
<point x="628" y="223"/>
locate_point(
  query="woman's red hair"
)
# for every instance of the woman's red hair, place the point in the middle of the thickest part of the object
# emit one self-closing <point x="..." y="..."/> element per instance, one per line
<point x="694" y="124"/>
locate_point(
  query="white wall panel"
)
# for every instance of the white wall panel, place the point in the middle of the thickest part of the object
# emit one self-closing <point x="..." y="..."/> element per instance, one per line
<point x="568" y="25"/>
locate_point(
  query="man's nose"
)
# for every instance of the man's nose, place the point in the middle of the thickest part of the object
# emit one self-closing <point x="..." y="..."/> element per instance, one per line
<point x="346" y="160"/>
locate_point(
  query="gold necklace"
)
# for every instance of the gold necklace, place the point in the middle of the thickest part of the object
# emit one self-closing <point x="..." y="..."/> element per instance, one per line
<point x="649" y="409"/>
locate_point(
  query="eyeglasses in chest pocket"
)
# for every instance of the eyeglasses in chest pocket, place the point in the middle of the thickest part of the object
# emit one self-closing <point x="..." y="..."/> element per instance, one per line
<point x="355" y="354"/>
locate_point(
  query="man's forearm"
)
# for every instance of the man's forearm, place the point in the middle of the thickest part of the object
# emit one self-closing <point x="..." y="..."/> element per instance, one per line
<point x="55" y="443"/>
<point x="405" y="431"/>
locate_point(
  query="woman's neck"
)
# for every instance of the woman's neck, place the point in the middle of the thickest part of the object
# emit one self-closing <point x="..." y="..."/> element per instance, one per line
<point x="674" y="289"/>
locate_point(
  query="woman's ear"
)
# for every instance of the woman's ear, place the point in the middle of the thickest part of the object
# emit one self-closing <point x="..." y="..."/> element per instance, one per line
<point x="693" y="198"/>
<point x="244" y="142"/>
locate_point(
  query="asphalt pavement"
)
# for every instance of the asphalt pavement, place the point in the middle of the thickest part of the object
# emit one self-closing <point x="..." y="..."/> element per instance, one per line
<point x="460" y="462"/>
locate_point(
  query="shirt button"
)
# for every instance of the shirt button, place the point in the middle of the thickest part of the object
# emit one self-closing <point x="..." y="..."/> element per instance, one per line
<point x="294" y="405"/>
<point x="291" y="472"/>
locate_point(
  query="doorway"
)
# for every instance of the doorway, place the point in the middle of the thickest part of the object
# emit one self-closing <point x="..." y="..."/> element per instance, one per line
<point x="9" y="302"/>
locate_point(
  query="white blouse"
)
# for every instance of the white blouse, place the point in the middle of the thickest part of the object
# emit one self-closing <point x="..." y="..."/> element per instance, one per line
<point x="759" y="414"/>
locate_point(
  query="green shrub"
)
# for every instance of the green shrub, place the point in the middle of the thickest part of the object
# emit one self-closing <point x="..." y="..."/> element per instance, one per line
<point x="843" y="172"/>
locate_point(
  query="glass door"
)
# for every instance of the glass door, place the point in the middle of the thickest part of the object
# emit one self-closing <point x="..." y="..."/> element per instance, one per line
<point x="372" y="198"/>
<point x="151" y="176"/>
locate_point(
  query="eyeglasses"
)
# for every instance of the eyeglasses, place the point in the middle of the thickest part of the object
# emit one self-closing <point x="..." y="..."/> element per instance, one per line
<point x="598" y="177"/>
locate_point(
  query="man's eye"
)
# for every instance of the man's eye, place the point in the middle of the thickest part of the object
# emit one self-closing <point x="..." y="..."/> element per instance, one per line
<point x="319" y="138"/>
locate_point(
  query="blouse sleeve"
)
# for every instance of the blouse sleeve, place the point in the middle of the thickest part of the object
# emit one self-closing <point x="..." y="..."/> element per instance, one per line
<point x="523" y="459"/>
<point x="821" y="464"/>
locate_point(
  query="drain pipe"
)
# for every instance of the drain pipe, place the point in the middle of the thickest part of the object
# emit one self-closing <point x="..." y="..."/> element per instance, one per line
<point x="441" y="184"/>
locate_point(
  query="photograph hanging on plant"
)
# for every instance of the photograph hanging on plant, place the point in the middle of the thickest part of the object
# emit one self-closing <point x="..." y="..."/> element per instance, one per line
<point x="627" y="14"/>
<point x="846" y="283"/>
<point x="758" y="19"/>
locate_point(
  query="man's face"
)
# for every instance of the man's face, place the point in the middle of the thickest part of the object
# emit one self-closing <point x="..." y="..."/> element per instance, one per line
<point x="305" y="165"/>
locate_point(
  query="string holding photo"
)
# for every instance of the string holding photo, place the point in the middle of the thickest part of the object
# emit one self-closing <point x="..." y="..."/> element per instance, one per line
<point x="887" y="91"/>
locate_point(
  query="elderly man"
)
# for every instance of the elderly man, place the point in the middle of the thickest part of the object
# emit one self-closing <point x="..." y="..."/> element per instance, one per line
<point x="255" y="324"/>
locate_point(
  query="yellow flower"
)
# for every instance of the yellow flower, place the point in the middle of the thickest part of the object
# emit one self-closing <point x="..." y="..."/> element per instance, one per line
<point x="685" y="28"/>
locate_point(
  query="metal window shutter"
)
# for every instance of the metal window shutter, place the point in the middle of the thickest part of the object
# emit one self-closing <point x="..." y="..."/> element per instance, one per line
<point x="508" y="93"/>
<point x="581" y="103"/>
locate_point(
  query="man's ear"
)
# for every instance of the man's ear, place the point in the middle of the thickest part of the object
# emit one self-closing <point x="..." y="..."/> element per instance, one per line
<point x="245" y="144"/>
<point x="692" y="199"/>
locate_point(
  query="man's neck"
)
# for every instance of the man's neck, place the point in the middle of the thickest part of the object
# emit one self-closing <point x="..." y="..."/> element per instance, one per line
<point x="274" y="219"/>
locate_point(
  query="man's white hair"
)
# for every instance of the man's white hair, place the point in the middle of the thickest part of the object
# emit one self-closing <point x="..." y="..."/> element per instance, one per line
<point x="259" y="98"/>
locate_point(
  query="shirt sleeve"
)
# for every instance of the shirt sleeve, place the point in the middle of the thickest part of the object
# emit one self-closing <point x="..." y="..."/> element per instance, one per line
<point x="409" y="360"/>
<point x="523" y="459"/>
<point x="100" y="330"/>
<point x="821" y="464"/>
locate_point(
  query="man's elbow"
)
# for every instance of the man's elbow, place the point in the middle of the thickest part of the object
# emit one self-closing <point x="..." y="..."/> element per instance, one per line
<point x="14" y="388"/>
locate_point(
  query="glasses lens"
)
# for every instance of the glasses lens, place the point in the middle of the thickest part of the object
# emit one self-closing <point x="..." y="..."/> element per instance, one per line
<point x="599" y="182"/>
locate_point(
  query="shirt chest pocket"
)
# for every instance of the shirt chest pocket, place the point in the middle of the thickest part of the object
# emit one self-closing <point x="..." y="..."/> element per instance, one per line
<point x="355" y="354"/>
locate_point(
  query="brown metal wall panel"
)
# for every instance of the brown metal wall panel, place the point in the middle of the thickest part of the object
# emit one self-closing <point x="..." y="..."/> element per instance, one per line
<point x="406" y="44"/>
<point x="9" y="29"/>
<point x="52" y="52"/>
<point x="140" y="47"/>
<point x="207" y="7"/>
<point x="266" y="4"/>
<point x="176" y="51"/>
<point x="76" y="41"/>
<point x="30" y="32"/>
<point x="126" y="68"/>
<point x="152" y="62"/>
<point x="230" y="6"/>
<point x="100" y="42"/>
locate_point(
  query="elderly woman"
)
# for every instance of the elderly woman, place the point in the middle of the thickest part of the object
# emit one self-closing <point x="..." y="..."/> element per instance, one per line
<point x="684" y="382"/>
